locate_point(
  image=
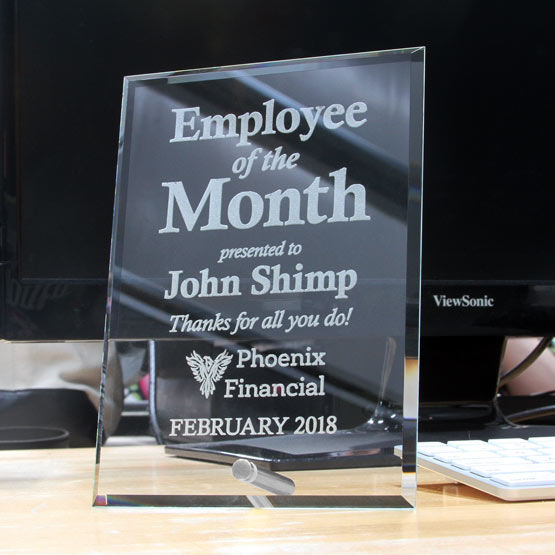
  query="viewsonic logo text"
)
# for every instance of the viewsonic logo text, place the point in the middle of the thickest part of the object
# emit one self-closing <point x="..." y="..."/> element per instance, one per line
<point x="466" y="301"/>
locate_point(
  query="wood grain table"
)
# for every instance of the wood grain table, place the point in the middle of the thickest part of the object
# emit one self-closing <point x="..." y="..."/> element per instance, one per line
<point x="47" y="508"/>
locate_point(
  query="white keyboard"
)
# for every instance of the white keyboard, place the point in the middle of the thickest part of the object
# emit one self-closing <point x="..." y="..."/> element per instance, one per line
<point x="512" y="469"/>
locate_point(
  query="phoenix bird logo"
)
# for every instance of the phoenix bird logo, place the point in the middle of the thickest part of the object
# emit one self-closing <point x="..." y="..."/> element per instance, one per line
<point x="207" y="370"/>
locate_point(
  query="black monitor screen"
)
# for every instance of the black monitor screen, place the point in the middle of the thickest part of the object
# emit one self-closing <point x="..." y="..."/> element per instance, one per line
<point x="490" y="115"/>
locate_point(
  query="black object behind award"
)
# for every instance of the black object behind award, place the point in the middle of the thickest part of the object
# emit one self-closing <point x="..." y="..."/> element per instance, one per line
<point x="266" y="244"/>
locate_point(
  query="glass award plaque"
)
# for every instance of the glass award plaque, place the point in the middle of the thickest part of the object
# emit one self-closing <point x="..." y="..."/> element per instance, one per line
<point x="266" y="267"/>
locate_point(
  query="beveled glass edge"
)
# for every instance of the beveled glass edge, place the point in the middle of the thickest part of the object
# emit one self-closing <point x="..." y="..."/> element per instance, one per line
<point x="414" y="272"/>
<point x="272" y="63"/>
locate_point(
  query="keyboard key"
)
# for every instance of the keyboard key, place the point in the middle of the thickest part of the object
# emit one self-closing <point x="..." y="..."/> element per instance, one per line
<point x="539" y="458"/>
<point x="431" y="447"/>
<point x="466" y="455"/>
<point x="546" y="441"/>
<point x="545" y="467"/>
<point x="494" y="463"/>
<point x="525" y="479"/>
<point x="489" y="471"/>
<point x="509" y="443"/>
<point x="521" y="452"/>
<point x="472" y="445"/>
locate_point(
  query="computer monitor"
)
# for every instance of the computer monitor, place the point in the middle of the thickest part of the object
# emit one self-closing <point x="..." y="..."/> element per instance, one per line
<point x="488" y="264"/>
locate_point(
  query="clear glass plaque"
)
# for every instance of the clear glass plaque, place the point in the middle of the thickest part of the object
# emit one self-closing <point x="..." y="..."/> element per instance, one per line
<point x="266" y="266"/>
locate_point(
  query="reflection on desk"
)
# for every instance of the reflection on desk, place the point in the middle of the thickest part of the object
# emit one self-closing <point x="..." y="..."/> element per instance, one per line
<point x="47" y="509"/>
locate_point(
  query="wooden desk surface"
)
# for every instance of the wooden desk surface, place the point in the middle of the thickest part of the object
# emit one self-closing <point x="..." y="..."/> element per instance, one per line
<point x="47" y="509"/>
